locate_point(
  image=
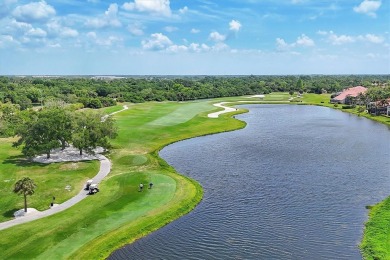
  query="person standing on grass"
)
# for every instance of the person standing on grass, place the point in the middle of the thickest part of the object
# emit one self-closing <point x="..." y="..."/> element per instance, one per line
<point x="141" y="186"/>
<point x="150" y="185"/>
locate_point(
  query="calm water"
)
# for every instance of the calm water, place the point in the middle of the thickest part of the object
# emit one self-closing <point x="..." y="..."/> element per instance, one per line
<point x="292" y="185"/>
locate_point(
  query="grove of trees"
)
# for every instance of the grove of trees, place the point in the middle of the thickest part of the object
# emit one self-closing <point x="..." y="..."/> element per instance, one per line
<point x="97" y="93"/>
<point x="39" y="132"/>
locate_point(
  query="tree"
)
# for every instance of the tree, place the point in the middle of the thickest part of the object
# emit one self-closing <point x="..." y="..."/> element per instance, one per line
<point x="91" y="130"/>
<point x="41" y="133"/>
<point x="25" y="186"/>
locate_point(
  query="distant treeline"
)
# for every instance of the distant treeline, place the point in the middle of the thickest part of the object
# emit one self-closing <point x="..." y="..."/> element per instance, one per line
<point x="97" y="93"/>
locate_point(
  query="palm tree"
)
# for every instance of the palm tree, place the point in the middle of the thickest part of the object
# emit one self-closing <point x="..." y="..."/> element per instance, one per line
<point x="26" y="187"/>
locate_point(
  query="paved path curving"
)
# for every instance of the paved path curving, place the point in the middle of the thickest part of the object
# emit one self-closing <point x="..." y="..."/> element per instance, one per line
<point x="226" y="110"/>
<point x="105" y="168"/>
<point x="231" y="109"/>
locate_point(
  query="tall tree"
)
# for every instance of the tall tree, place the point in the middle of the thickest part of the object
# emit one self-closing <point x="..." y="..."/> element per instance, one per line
<point x="25" y="186"/>
<point x="91" y="130"/>
<point x="41" y="133"/>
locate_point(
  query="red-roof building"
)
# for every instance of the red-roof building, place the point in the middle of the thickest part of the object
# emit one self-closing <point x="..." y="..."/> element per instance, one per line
<point x="349" y="92"/>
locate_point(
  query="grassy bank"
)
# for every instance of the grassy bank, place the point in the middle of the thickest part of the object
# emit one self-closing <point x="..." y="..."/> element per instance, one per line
<point x="376" y="240"/>
<point x="118" y="214"/>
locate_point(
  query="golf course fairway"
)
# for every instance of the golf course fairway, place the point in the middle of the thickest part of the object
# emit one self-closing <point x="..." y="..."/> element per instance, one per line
<point x="119" y="213"/>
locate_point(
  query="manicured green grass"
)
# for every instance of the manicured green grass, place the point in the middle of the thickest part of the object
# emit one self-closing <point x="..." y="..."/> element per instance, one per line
<point x="119" y="213"/>
<point x="279" y="96"/>
<point x="376" y="240"/>
<point x="51" y="180"/>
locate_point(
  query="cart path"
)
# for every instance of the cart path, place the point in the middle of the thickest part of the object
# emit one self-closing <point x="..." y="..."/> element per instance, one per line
<point x="231" y="109"/>
<point x="105" y="168"/>
<point x="221" y="105"/>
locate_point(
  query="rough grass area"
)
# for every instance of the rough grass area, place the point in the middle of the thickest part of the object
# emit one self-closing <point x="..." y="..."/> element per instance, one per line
<point x="62" y="180"/>
<point x="376" y="240"/>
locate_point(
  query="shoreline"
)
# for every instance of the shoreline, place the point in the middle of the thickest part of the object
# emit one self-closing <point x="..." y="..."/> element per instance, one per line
<point x="169" y="215"/>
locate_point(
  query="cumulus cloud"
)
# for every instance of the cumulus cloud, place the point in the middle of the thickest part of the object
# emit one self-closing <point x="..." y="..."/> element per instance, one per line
<point x="154" y="6"/>
<point x="135" y="29"/>
<point x="108" y="41"/>
<point x="304" y="40"/>
<point x="368" y="7"/>
<point x="56" y="29"/>
<point x="36" y="32"/>
<point x="372" y="38"/>
<point x="282" y="45"/>
<point x="35" y="11"/>
<point x="217" y="37"/>
<point x="109" y="19"/>
<point x="183" y="10"/>
<point x="157" y="41"/>
<point x="234" y="25"/>
<point x="340" y="39"/>
<point x="6" y="40"/>
<point x="193" y="30"/>
<point x="335" y="39"/>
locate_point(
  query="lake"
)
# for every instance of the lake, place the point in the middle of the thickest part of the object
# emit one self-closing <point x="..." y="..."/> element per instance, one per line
<point x="293" y="184"/>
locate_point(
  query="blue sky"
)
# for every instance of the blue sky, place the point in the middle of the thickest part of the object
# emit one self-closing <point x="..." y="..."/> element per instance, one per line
<point x="198" y="37"/>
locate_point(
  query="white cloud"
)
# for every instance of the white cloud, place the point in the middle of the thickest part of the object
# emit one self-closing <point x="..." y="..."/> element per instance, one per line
<point x="170" y="28"/>
<point x="157" y="41"/>
<point x="35" y="11"/>
<point x="372" y="38"/>
<point x="6" y="40"/>
<point x="154" y="6"/>
<point x="55" y="28"/>
<point x="368" y="7"/>
<point x="109" y="19"/>
<point x="111" y="40"/>
<point x="196" y="47"/>
<point x="234" y="25"/>
<point x="281" y="45"/>
<point x="193" y="30"/>
<point x="135" y="29"/>
<point x="217" y="37"/>
<point x="177" y="48"/>
<point x="38" y="32"/>
<point x="183" y="10"/>
<point x="340" y="39"/>
<point x="303" y="40"/>
<point x="91" y="35"/>
<point x="20" y="26"/>
<point x="335" y="39"/>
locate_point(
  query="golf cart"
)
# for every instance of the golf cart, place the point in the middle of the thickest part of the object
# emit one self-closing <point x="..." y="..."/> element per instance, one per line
<point x="93" y="188"/>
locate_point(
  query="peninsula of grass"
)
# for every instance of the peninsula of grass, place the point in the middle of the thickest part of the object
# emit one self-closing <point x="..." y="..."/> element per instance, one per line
<point x="119" y="213"/>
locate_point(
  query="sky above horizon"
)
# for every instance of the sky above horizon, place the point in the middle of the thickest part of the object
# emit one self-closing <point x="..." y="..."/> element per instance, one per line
<point x="198" y="37"/>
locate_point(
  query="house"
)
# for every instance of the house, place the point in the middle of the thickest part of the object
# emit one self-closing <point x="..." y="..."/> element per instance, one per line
<point x="348" y="95"/>
<point x="381" y="107"/>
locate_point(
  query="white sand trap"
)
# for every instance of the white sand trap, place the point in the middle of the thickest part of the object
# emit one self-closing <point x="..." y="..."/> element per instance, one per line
<point x="21" y="213"/>
<point x="69" y="154"/>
